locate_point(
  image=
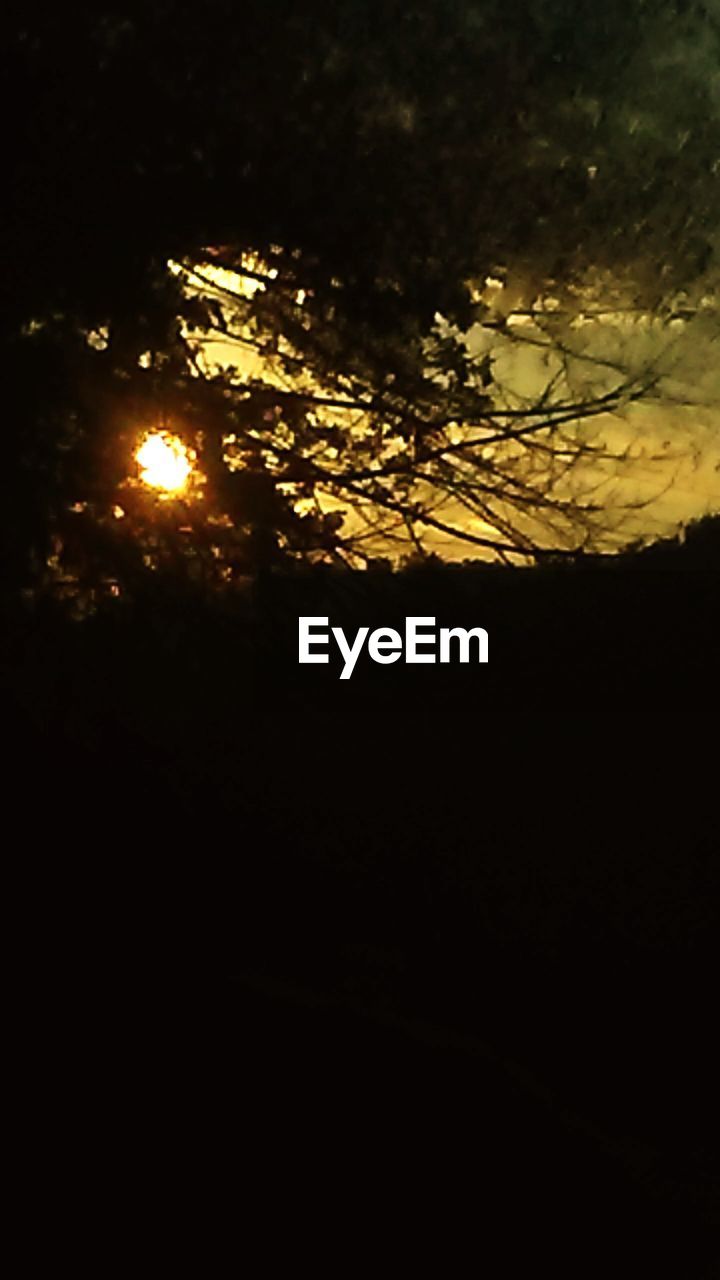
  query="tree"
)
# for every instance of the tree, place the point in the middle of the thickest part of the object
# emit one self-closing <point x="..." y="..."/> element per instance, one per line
<point x="368" y="171"/>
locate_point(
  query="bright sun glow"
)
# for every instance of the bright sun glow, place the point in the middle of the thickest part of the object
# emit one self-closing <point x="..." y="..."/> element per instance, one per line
<point x="164" y="462"/>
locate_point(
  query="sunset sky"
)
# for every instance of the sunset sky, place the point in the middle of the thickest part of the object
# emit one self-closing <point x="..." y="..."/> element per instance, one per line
<point x="673" y="435"/>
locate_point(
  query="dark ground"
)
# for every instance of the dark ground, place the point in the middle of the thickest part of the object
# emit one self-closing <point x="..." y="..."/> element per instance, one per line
<point x="436" y="949"/>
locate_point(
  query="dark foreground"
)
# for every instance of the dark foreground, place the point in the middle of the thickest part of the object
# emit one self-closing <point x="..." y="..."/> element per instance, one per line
<point x="439" y="954"/>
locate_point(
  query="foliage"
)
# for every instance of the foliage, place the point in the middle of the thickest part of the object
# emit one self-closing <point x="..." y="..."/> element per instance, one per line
<point x="367" y="171"/>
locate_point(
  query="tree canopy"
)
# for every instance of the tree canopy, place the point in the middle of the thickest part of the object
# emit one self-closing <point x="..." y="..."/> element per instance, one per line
<point x="358" y="171"/>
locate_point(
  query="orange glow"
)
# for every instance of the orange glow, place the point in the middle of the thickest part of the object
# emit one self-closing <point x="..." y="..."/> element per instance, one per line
<point x="165" y="462"/>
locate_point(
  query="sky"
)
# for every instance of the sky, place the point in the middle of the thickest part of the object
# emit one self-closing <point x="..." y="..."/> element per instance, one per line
<point x="672" y="436"/>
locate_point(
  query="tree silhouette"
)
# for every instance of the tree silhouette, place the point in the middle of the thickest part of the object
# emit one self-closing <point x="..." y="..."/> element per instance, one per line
<point x="358" y="178"/>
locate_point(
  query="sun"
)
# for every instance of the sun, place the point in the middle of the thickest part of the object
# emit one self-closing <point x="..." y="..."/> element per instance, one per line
<point x="165" y="462"/>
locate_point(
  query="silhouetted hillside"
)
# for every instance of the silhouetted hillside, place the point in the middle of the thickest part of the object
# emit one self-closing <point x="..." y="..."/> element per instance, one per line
<point x="696" y="547"/>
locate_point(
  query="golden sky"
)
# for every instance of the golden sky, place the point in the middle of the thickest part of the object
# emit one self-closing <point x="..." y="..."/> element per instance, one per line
<point x="673" y="438"/>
